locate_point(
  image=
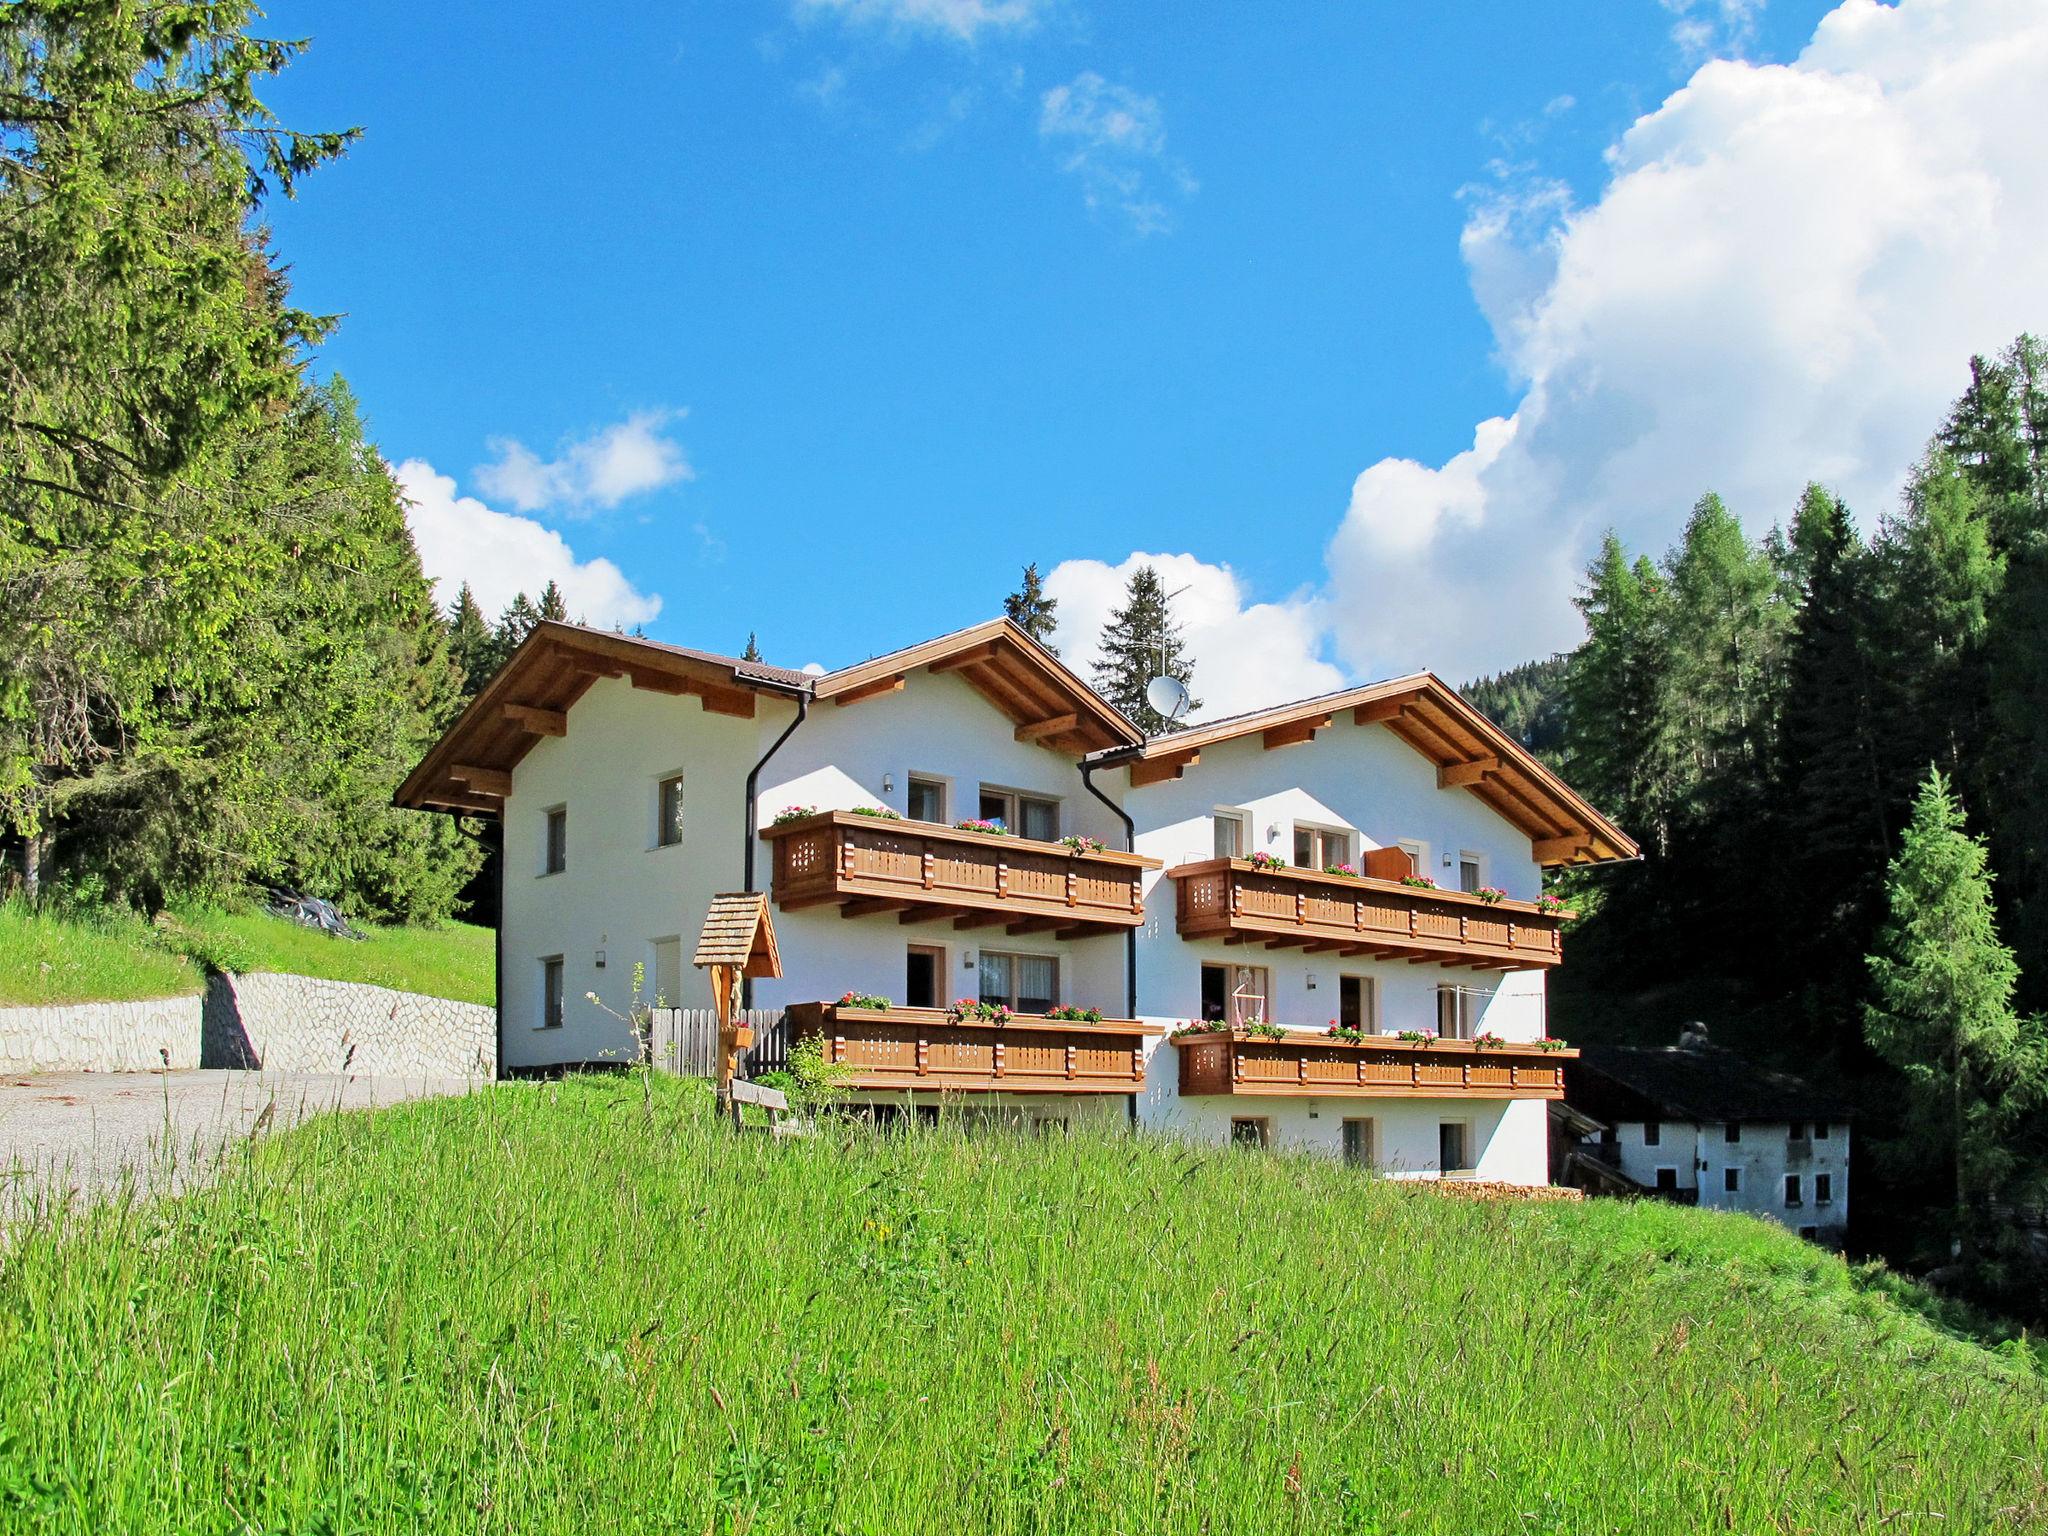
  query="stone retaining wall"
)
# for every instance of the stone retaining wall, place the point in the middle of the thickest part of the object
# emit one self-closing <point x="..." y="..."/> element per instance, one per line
<point x="280" y="1022"/>
<point x="143" y="1036"/>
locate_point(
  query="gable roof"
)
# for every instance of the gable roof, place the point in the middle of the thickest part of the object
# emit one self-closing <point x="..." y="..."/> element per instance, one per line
<point x="1691" y="1082"/>
<point x="739" y="932"/>
<point x="1469" y="750"/>
<point x="470" y="767"/>
<point x="1033" y="688"/>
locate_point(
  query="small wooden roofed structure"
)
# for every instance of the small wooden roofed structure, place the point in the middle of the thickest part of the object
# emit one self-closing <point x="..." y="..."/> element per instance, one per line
<point x="1469" y="751"/>
<point x="739" y="935"/>
<point x="470" y="768"/>
<point x="1044" y="701"/>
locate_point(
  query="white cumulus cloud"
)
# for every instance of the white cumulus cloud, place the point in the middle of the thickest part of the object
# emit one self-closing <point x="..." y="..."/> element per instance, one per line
<point x="962" y="20"/>
<point x="1782" y="280"/>
<point x="1113" y="139"/>
<point x="628" y="458"/>
<point x="1247" y="655"/>
<point x="501" y="555"/>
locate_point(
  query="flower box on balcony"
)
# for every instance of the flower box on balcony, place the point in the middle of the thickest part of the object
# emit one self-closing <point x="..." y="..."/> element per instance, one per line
<point x="927" y="1049"/>
<point x="1309" y="1064"/>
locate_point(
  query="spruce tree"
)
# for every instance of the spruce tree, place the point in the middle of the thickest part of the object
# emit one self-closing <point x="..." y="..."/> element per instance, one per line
<point x="1141" y="642"/>
<point x="515" y="624"/>
<point x="753" y="650"/>
<point x="552" y="606"/>
<point x="1612" y="688"/>
<point x="1942" y="1011"/>
<point x="470" y="645"/>
<point x="1032" y="611"/>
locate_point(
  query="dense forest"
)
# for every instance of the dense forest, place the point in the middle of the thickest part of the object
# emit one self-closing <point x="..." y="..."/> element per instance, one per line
<point x="1767" y="716"/>
<point x="218" y="652"/>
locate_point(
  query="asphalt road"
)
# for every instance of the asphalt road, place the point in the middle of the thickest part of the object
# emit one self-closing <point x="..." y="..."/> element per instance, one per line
<point x="93" y="1132"/>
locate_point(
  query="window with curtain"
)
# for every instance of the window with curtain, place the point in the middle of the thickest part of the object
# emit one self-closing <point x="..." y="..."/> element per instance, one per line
<point x="1021" y="983"/>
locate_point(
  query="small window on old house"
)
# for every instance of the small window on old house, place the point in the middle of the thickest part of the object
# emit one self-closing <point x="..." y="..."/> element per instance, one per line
<point x="551" y="992"/>
<point x="1453" y="1150"/>
<point x="1469" y="878"/>
<point x="1250" y="1133"/>
<point x="1653" y="1133"/>
<point x="1823" y="1189"/>
<point x="926" y="800"/>
<point x="1731" y="1180"/>
<point x="1231" y="834"/>
<point x="1792" y="1190"/>
<point x="555" y="848"/>
<point x="1732" y="1132"/>
<point x="1667" y="1178"/>
<point x="669" y="812"/>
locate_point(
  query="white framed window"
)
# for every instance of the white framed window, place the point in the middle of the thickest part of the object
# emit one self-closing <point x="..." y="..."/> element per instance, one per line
<point x="1358" y="1004"/>
<point x="1320" y="847"/>
<point x="1251" y="1131"/>
<point x="1236" y="993"/>
<point x="1418" y="854"/>
<point x="1471" y="871"/>
<point x="1459" y="1010"/>
<point x="925" y="798"/>
<point x="1027" y="815"/>
<point x="551" y="992"/>
<point x="554" y="851"/>
<point x="1359" y="1143"/>
<point x="1454" y="1146"/>
<point x="668" y="972"/>
<point x="1021" y="983"/>
<point x="1233" y="833"/>
<point x="668" y="811"/>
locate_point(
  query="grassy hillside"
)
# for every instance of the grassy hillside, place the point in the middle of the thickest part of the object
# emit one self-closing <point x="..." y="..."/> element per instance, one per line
<point x="550" y="1308"/>
<point x="48" y="956"/>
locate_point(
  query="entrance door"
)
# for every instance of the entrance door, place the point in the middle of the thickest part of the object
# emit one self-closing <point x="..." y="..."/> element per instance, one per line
<point x="924" y="973"/>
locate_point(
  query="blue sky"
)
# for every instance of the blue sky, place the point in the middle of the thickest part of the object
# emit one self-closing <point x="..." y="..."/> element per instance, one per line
<point x="819" y="319"/>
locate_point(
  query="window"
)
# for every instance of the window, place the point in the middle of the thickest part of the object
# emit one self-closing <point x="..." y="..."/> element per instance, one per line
<point x="1025" y="815"/>
<point x="1823" y="1189"/>
<point x="1358" y="1143"/>
<point x="1451" y="1150"/>
<point x="924" y="976"/>
<point x="1234" y="992"/>
<point x="668" y="817"/>
<point x="1418" y="855"/>
<point x="1731" y="1180"/>
<point x="1470" y="876"/>
<point x="926" y="800"/>
<point x="1021" y="983"/>
<point x="1653" y="1133"/>
<point x="1795" y="1132"/>
<point x="1355" y="1003"/>
<point x="1250" y="1133"/>
<point x="1792" y="1191"/>
<point x="1809" y="1233"/>
<point x="1320" y="847"/>
<point x="668" y="972"/>
<point x="1732" y="1132"/>
<point x="1820" y="1130"/>
<point x="1458" y="1011"/>
<point x="555" y="849"/>
<point x="1232" y="834"/>
<point x="1667" y="1179"/>
<point x="551" y="992"/>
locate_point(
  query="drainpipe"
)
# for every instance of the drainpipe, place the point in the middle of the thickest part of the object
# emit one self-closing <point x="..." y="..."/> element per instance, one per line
<point x="1130" y="934"/>
<point x="496" y="850"/>
<point x="803" y="708"/>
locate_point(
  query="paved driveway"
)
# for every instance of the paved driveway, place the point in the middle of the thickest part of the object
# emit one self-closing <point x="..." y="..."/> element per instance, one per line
<point x="87" y="1131"/>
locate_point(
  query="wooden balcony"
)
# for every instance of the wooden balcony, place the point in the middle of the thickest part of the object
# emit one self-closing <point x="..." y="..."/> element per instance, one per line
<point x="1228" y="899"/>
<point x="1306" y="1065"/>
<point x="918" y="870"/>
<point x="892" y="1049"/>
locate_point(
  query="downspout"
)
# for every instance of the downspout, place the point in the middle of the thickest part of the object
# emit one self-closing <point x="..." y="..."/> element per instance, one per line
<point x="497" y="851"/>
<point x="803" y="708"/>
<point x="1130" y="934"/>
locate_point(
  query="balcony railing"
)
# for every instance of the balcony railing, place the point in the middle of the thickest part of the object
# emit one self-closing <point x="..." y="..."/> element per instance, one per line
<point x="1306" y="1065"/>
<point x="1229" y="899"/>
<point x="864" y="864"/>
<point x="925" y="1049"/>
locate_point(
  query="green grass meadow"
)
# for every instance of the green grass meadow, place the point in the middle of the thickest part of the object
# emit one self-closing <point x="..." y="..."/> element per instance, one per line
<point x="571" y="1307"/>
<point x="49" y="955"/>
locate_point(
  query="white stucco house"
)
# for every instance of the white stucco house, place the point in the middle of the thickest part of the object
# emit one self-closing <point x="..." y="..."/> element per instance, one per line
<point x="1695" y="1123"/>
<point x="1319" y="925"/>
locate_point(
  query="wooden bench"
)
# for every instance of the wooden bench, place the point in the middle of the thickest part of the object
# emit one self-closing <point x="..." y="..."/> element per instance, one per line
<point x="773" y="1100"/>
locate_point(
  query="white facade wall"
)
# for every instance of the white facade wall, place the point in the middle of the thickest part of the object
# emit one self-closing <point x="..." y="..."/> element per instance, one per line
<point x="621" y="893"/>
<point x="1700" y="1155"/>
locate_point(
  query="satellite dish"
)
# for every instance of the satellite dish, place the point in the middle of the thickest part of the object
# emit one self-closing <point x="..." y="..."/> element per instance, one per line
<point x="1167" y="696"/>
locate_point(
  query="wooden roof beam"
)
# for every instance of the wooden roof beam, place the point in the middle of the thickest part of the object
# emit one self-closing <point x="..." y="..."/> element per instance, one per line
<point x="1295" y="732"/>
<point x="1053" y="725"/>
<point x="973" y="656"/>
<point x="1471" y="771"/>
<point x="1379" y="711"/>
<point x="863" y="906"/>
<point x="481" y="780"/>
<point x="881" y="685"/>
<point x="1156" y="770"/>
<point x="1561" y="850"/>
<point x="542" y="722"/>
<point x="1025" y="925"/>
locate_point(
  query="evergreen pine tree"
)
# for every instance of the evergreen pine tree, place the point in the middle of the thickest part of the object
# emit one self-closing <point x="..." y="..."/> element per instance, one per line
<point x="1612" y="688"/>
<point x="1141" y="642"/>
<point x="753" y="650"/>
<point x="515" y="624"/>
<point x="1032" y="611"/>
<point x="1942" y="1012"/>
<point x="470" y="644"/>
<point x="552" y="606"/>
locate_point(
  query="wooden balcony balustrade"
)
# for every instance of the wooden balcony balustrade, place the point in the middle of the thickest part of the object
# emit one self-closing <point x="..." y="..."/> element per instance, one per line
<point x="891" y="1049"/>
<point x="919" y="870"/>
<point x="1229" y="899"/>
<point x="1307" y="1065"/>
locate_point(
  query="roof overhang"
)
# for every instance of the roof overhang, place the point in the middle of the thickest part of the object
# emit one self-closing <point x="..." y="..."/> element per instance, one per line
<point x="470" y="768"/>
<point x="1469" y="750"/>
<point x="1044" y="702"/>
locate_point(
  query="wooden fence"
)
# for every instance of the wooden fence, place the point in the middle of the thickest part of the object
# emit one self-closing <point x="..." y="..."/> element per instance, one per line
<point x="685" y="1042"/>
